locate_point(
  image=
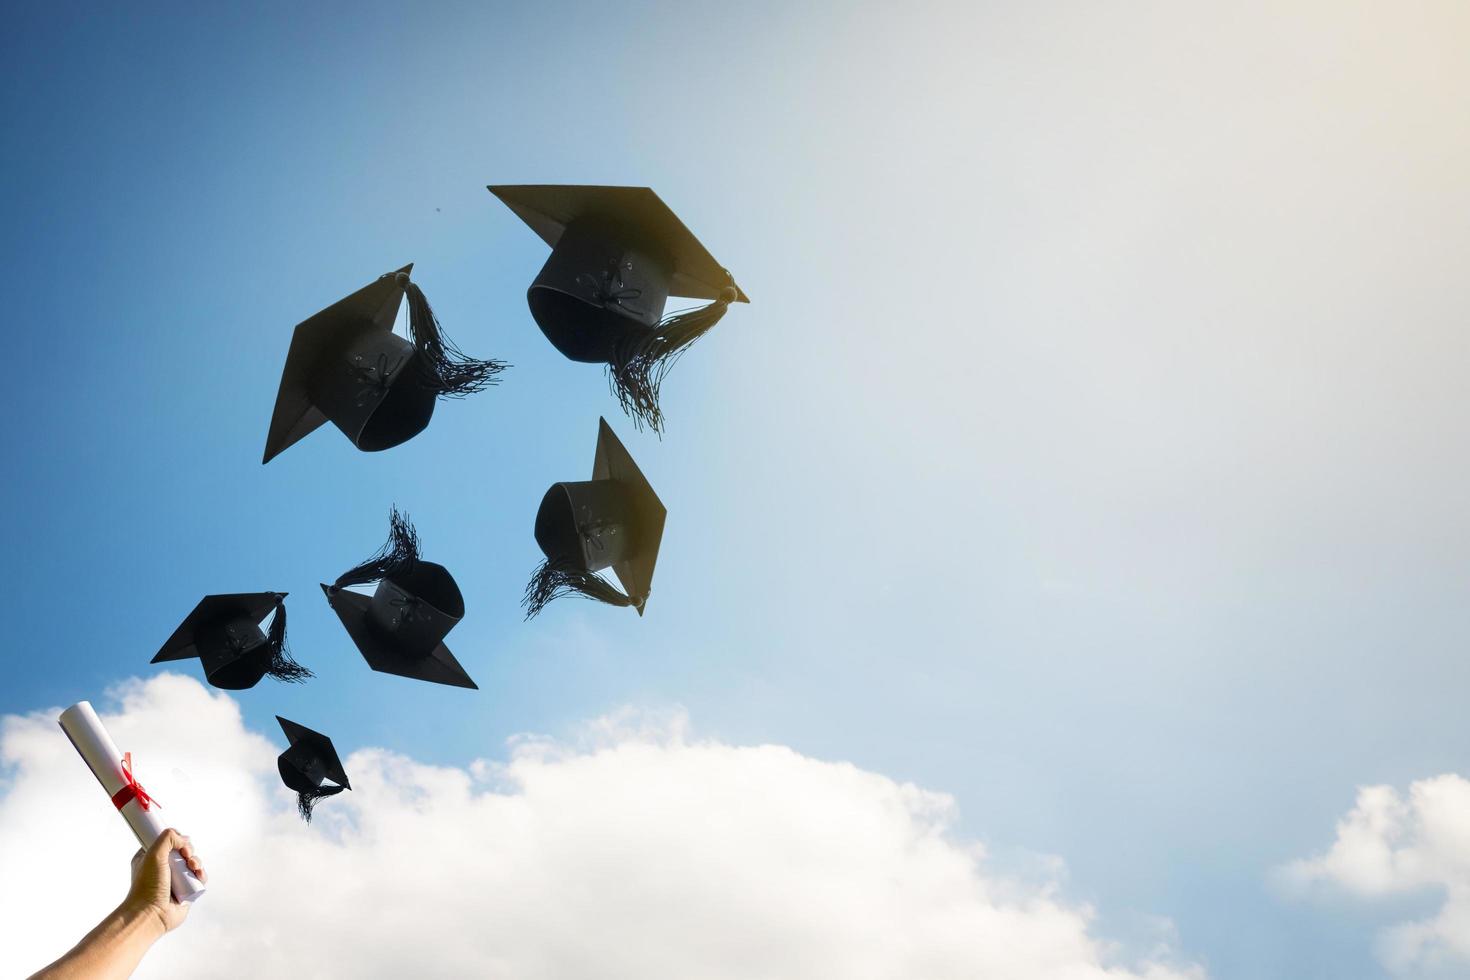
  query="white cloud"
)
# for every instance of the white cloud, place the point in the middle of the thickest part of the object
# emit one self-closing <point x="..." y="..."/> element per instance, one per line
<point x="638" y="852"/>
<point x="1389" y="845"/>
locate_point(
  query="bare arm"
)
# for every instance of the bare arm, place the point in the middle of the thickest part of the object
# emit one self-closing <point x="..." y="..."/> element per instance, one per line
<point x="113" y="950"/>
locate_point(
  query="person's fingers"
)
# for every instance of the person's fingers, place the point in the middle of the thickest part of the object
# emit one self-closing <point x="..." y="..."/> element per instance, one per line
<point x="192" y="859"/>
<point x="167" y="841"/>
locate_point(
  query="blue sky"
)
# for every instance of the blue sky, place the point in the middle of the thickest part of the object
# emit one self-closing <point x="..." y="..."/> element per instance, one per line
<point x="1088" y="450"/>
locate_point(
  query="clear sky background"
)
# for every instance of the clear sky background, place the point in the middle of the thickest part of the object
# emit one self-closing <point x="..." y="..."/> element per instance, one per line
<point x="1091" y="449"/>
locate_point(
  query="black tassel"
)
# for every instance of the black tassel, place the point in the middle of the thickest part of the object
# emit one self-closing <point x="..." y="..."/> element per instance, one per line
<point x="554" y="579"/>
<point x="394" y="558"/>
<point x="281" y="666"/>
<point x="441" y="365"/>
<point x="640" y="363"/>
<point x="306" y="799"/>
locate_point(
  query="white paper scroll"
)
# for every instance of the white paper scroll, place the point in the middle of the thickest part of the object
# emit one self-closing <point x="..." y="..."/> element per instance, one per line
<point x="98" y="751"/>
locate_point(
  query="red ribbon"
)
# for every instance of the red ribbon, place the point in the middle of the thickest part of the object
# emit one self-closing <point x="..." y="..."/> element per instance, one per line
<point x="132" y="789"/>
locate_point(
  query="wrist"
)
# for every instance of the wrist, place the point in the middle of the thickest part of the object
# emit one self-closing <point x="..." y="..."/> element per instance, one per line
<point x="144" y="918"/>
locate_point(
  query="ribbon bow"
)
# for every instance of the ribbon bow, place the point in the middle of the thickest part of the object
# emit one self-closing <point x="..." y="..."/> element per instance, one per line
<point x="132" y="789"/>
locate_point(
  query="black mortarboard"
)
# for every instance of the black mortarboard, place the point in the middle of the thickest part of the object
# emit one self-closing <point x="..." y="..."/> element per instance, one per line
<point x="400" y="628"/>
<point x="347" y="366"/>
<point x="614" y="520"/>
<point x="224" y="632"/>
<point x="311" y="760"/>
<point x="617" y="255"/>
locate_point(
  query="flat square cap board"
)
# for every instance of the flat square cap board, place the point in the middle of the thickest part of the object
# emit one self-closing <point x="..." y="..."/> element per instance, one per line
<point x="613" y="462"/>
<point x="321" y="746"/>
<point x="374" y="306"/>
<point x="549" y="208"/>
<point x="439" y="666"/>
<point x="252" y="605"/>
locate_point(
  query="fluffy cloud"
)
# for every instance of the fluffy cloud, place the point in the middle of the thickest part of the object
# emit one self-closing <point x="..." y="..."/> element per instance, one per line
<point x="636" y="852"/>
<point x="1390" y="845"/>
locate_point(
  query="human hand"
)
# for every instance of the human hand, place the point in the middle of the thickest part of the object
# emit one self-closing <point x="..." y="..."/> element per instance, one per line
<point x="151" y="894"/>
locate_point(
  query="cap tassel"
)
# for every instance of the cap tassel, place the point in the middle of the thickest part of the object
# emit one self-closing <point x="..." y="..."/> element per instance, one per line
<point x="394" y="558"/>
<point x="554" y="579"/>
<point x="282" y="666"/>
<point x="307" y="798"/>
<point x="441" y="365"/>
<point x="640" y="363"/>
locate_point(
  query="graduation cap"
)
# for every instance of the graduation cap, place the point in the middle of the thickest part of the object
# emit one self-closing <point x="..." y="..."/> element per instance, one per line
<point x="224" y="632"/>
<point x="400" y="628"/>
<point x="347" y="366"/>
<point x="614" y="520"/>
<point x="617" y="255"/>
<point x="307" y="764"/>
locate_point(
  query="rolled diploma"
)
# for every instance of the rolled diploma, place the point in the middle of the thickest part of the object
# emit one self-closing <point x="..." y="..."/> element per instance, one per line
<point x="100" y="753"/>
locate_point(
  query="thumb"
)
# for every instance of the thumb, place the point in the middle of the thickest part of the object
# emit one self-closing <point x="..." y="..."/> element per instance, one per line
<point x="168" y="841"/>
